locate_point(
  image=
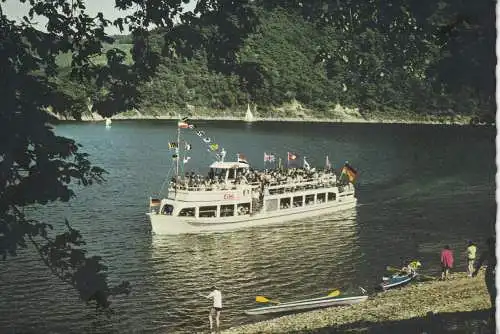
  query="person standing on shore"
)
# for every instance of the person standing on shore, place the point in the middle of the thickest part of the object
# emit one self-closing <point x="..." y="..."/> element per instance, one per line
<point x="216" y="308"/>
<point x="489" y="256"/>
<point x="471" y="257"/>
<point x="446" y="262"/>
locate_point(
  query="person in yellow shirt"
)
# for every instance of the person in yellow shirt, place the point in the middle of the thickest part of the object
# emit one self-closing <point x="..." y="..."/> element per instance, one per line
<point x="471" y="257"/>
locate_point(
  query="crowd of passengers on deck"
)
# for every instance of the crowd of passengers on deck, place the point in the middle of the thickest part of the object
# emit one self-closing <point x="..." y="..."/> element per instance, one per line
<point x="266" y="178"/>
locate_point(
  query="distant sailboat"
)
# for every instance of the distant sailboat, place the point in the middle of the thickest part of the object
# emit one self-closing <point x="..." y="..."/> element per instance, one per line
<point x="108" y="123"/>
<point x="248" y="115"/>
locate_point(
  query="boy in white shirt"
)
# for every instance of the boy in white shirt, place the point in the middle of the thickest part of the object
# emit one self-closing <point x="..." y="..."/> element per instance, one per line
<point x="216" y="308"/>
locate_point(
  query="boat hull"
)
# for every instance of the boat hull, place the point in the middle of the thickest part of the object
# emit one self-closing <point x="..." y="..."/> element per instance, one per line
<point x="395" y="282"/>
<point x="165" y="224"/>
<point x="308" y="304"/>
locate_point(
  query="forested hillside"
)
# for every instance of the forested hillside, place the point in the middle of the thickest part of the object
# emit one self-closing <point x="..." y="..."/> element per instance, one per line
<point x="438" y="62"/>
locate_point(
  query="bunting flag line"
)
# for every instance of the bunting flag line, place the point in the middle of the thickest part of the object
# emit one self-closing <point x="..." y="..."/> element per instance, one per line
<point x="212" y="146"/>
<point x="172" y="145"/>
<point x="186" y="159"/>
<point x="291" y="156"/>
<point x="175" y="156"/>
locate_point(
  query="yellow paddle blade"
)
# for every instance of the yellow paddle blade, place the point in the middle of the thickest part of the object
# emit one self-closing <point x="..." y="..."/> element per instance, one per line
<point x="334" y="293"/>
<point x="261" y="299"/>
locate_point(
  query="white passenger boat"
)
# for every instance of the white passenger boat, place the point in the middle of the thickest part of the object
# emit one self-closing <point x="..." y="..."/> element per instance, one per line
<point x="235" y="196"/>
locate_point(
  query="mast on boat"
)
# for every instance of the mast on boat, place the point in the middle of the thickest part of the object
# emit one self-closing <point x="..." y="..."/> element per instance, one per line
<point x="177" y="151"/>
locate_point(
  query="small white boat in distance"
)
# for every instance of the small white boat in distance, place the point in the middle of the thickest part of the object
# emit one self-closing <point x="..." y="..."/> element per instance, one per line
<point x="108" y="123"/>
<point x="249" y="116"/>
<point x="308" y="304"/>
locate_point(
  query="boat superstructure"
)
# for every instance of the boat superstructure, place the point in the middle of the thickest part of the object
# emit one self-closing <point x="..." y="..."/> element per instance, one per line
<point x="233" y="195"/>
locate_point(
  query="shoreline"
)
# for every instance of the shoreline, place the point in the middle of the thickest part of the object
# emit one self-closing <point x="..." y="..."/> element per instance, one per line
<point x="433" y="306"/>
<point x="348" y="120"/>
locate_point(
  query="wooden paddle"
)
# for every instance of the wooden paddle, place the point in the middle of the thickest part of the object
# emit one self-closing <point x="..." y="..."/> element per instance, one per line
<point x="262" y="299"/>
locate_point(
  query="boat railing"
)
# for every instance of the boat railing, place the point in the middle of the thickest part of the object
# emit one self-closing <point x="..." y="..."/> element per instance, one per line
<point x="216" y="187"/>
<point x="273" y="188"/>
<point x="299" y="186"/>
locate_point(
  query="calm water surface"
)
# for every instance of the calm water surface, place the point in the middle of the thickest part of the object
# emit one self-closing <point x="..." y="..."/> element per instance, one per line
<point x="419" y="187"/>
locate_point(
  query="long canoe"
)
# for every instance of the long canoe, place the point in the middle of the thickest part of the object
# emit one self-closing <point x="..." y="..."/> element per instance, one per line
<point x="396" y="280"/>
<point x="308" y="304"/>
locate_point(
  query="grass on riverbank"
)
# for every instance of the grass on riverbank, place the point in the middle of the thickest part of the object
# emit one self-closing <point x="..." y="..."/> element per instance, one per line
<point x="460" y="305"/>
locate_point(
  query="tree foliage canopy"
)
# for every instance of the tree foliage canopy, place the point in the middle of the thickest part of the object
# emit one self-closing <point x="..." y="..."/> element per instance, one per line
<point x="421" y="56"/>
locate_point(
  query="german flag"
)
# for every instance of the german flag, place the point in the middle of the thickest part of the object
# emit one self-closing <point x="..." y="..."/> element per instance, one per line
<point x="350" y="172"/>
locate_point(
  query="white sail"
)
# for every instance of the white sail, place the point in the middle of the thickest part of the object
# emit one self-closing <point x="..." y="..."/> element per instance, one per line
<point x="108" y="122"/>
<point x="248" y="115"/>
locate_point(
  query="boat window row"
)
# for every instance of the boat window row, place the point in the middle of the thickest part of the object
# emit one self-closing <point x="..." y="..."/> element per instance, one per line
<point x="298" y="201"/>
<point x="214" y="211"/>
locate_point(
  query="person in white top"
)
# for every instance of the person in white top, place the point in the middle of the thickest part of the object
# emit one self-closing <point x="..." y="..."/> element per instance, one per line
<point x="216" y="307"/>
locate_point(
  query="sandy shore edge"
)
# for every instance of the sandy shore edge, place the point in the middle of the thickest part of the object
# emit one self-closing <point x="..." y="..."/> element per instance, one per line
<point x="460" y="294"/>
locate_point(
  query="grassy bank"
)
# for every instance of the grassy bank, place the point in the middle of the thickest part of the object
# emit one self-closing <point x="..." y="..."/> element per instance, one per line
<point x="460" y="305"/>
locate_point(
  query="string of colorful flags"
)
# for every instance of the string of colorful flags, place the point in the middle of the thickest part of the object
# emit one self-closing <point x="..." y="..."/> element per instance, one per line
<point x="212" y="147"/>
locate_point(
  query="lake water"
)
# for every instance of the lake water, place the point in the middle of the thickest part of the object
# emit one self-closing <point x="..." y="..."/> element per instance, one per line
<point x="419" y="187"/>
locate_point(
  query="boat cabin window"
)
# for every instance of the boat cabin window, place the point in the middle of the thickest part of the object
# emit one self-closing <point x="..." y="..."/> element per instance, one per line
<point x="243" y="209"/>
<point x="321" y="198"/>
<point x="309" y="199"/>
<point x="187" y="212"/>
<point x="167" y="209"/>
<point x="284" y="203"/>
<point x="227" y="210"/>
<point x="272" y="204"/>
<point x="297" y="201"/>
<point x="331" y="197"/>
<point x="208" y="211"/>
<point x="231" y="174"/>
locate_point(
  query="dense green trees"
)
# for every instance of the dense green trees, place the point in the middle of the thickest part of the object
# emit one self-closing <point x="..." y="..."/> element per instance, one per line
<point x="430" y="58"/>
